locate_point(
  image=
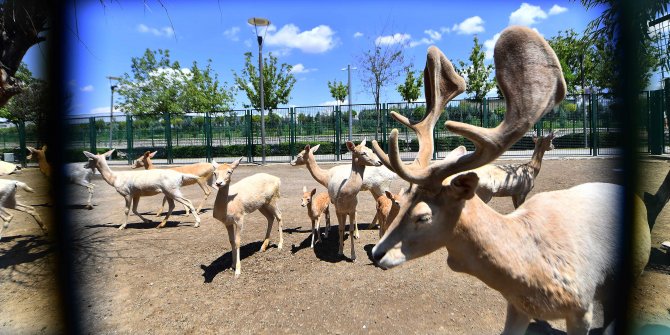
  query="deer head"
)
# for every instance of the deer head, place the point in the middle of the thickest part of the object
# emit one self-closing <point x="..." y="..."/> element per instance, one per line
<point x="224" y="171"/>
<point x="529" y="76"/>
<point x="98" y="160"/>
<point x="301" y="158"/>
<point x="143" y="161"/>
<point x="40" y="154"/>
<point x="362" y="155"/>
<point x="307" y="196"/>
<point x="544" y="143"/>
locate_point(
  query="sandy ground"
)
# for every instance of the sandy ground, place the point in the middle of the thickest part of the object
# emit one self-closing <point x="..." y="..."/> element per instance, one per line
<point x="178" y="279"/>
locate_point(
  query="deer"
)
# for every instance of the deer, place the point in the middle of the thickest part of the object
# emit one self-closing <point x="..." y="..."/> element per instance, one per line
<point x="132" y="185"/>
<point x="377" y="180"/>
<point x="551" y="258"/>
<point x="9" y="168"/>
<point x="317" y="205"/>
<point x="344" y="193"/>
<point x="387" y="210"/>
<point x="8" y="200"/>
<point x="80" y="174"/>
<point x="203" y="170"/>
<point x="515" y="180"/>
<point x="258" y="192"/>
<point x="40" y="156"/>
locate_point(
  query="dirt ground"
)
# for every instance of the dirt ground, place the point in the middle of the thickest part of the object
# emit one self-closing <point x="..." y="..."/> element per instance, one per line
<point x="28" y="293"/>
<point x="178" y="279"/>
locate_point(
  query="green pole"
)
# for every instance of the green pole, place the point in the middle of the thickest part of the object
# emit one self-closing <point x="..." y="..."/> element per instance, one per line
<point x="208" y="136"/>
<point x="168" y="138"/>
<point x="338" y="142"/>
<point x="91" y="135"/>
<point x="22" y="143"/>
<point x="594" y="124"/>
<point x="129" y="139"/>
<point x="291" y="131"/>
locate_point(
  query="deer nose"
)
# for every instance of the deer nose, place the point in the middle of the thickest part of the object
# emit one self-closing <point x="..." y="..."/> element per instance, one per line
<point x="219" y="183"/>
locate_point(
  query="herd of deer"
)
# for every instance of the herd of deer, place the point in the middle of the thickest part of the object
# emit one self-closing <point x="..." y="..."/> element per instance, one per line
<point x="546" y="261"/>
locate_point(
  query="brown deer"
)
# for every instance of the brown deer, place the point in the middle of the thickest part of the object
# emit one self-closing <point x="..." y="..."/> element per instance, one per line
<point x="317" y="205"/>
<point x="40" y="155"/>
<point x="387" y="210"/>
<point x="555" y="255"/>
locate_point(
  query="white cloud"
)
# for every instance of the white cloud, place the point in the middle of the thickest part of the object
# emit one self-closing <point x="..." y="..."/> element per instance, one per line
<point x="527" y="15"/>
<point x="424" y="40"/>
<point x="317" y="40"/>
<point x="471" y="25"/>
<point x="434" y="35"/>
<point x="105" y="110"/>
<point x="445" y="30"/>
<point x="161" y="32"/>
<point x="299" y="68"/>
<point x="231" y="34"/>
<point x="87" y="88"/>
<point x="489" y="45"/>
<point x="392" y="39"/>
<point x="358" y="34"/>
<point x="556" y="9"/>
<point x="247" y="43"/>
<point x="334" y="103"/>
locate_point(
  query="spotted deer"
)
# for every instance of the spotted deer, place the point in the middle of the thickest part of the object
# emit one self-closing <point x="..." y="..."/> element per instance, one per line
<point x="555" y="255"/>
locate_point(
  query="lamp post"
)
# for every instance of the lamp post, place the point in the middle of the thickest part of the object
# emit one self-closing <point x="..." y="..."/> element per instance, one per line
<point x="349" y="97"/>
<point x="261" y="22"/>
<point x="111" y="108"/>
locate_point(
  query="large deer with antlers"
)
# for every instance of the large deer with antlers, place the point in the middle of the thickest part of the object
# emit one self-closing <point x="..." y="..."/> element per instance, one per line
<point x="555" y="255"/>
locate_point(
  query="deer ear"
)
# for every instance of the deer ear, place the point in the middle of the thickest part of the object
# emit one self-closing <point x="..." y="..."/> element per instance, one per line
<point x="147" y="153"/>
<point x="465" y="185"/>
<point x="44" y="148"/>
<point x="236" y="163"/>
<point x="458" y="152"/>
<point x="304" y="189"/>
<point x="364" y="141"/>
<point x="350" y="146"/>
<point x="307" y="148"/>
<point x="313" y="192"/>
<point x="31" y="149"/>
<point x="153" y="154"/>
<point x="108" y="153"/>
<point x="90" y="155"/>
<point x="316" y="147"/>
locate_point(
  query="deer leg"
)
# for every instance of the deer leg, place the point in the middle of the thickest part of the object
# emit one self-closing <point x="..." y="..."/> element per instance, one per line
<point x="580" y="322"/>
<point x="375" y="220"/>
<point x="516" y="322"/>
<point x="160" y="210"/>
<point x="271" y="218"/>
<point x="236" y="254"/>
<point x="205" y="189"/>
<point x="318" y="227"/>
<point x="314" y="232"/>
<point x="167" y="216"/>
<point x="277" y="213"/>
<point x="518" y="200"/>
<point x="129" y="200"/>
<point x="341" y="221"/>
<point x="90" y="187"/>
<point x="382" y="225"/>
<point x="352" y="226"/>
<point x="187" y="203"/>
<point x="6" y="218"/>
<point x="31" y="210"/>
<point x="136" y="201"/>
<point x="327" y="212"/>
<point x="355" y="232"/>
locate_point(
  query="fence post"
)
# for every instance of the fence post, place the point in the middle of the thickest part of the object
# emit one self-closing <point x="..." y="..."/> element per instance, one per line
<point x="291" y="132"/>
<point x="485" y="113"/>
<point x="22" y="143"/>
<point x="129" y="139"/>
<point x="656" y="123"/>
<point x="248" y="119"/>
<point x="208" y="137"/>
<point x="92" y="135"/>
<point x="338" y="139"/>
<point x="168" y="137"/>
<point x="593" y="110"/>
<point x="666" y="89"/>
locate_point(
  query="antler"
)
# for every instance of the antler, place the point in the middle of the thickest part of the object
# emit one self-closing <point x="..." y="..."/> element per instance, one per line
<point x="442" y="84"/>
<point x="529" y="76"/>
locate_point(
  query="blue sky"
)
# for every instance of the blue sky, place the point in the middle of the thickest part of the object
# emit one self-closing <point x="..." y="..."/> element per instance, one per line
<point x="318" y="39"/>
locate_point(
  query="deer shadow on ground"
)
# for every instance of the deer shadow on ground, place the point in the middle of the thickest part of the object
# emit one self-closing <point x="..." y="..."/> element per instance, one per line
<point x="327" y="249"/>
<point x="540" y="327"/>
<point x="659" y="261"/>
<point x="24" y="261"/>
<point x="225" y="261"/>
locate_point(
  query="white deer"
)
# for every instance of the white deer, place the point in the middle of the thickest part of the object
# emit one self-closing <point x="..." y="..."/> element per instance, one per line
<point x="132" y="185"/>
<point x="80" y="174"/>
<point x="8" y="201"/>
<point x="377" y="180"/>
<point x="203" y="170"/>
<point x="259" y="192"/>
<point x="551" y="258"/>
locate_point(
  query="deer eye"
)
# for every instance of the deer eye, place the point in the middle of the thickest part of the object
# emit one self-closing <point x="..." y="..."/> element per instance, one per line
<point x="425" y="219"/>
<point x="364" y="153"/>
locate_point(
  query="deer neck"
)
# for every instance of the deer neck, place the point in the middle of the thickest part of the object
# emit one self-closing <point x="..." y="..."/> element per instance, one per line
<point x="319" y="174"/>
<point x="107" y="174"/>
<point x="485" y="244"/>
<point x="536" y="161"/>
<point x="148" y="165"/>
<point x="44" y="165"/>
<point x="354" y="183"/>
<point x="220" y="211"/>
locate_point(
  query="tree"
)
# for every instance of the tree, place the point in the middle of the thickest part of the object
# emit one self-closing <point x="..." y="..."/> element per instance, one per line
<point x="277" y="82"/>
<point x="204" y="93"/>
<point x="476" y="73"/>
<point x="31" y="105"/>
<point x="411" y="89"/>
<point x="23" y="24"/>
<point x="380" y="66"/>
<point x="337" y="90"/>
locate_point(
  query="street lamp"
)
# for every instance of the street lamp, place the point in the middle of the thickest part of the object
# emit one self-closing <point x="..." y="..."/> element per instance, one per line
<point x="349" y="68"/>
<point x="261" y="22"/>
<point x="111" y="108"/>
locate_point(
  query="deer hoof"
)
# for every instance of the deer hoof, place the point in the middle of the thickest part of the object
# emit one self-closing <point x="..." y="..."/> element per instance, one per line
<point x="89" y="206"/>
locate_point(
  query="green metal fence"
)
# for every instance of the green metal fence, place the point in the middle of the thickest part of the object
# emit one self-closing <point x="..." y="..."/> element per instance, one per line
<point x="14" y="138"/>
<point x="584" y="125"/>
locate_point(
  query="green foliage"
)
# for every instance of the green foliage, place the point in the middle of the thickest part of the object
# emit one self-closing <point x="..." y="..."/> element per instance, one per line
<point x="277" y="82"/>
<point x="411" y="89"/>
<point x="337" y="90"/>
<point x="158" y="85"/>
<point x="476" y="73"/>
<point x="31" y="105"/>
